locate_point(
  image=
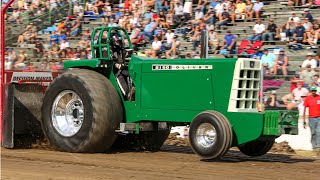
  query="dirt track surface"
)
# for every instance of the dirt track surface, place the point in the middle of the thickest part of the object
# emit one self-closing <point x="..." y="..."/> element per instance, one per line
<point x="171" y="163"/>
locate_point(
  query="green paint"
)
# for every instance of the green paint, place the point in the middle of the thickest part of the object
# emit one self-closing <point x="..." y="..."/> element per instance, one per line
<point x="92" y="63"/>
<point x="175" y="91"/>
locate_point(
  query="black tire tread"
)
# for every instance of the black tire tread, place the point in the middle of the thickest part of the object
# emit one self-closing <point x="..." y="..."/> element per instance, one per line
<point x="100" y="91"/>
<point x="226" y="130"/>
<point x="257" y="147"/>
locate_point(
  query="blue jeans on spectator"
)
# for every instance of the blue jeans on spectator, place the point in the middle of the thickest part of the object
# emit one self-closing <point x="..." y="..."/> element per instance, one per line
<point x="75" y="32"/>
<point x="268" y="35"/>
<point x="254" y="37"/>
<point x="289" y="32"/>
<point x="165" y="47"/>
<point x="149" y="35"/>
<point x="223" y="23"/>
<point x="158" y="6"/>
<point x="314" y="124"/>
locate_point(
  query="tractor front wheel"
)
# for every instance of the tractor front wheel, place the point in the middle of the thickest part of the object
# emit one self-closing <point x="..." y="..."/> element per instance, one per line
<point x="81" y="112"/>
<point x="210" y="135"/>
<point x="257" y="147"/>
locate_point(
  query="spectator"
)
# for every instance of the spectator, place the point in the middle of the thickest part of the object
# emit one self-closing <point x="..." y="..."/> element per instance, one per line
<point x="256" y="55"/>
<point x="281" y="63"/>
<point x="38" y="50"/>
<point x="19" y="64"/>
<point x="298" y="92"/>
<point x="294" y="18"/>
<point x="213" y="40"/>
<point x="172" y="52"/>
<point x="258" y="29"/>
<point x="257" y="8"/>
<point x="155" y="48"/>
<point x="308" y="15"/>
<point x="78" y="10"/>
<point x="268" y="60"/>
<point x="272" y="101"/>
<point x="315" y="82"/>
<point x="69" y="53"/>
<point x="224" y="18"/>
<point x="62" y="36"/>
<point x="178" y="12"/>
<point x="299" y="35"/>
<point x="64" y="44"/>
<point x="196" y="38"/>
<point x="313" y="35"/>
<point x="309" y="61"/>
<point x="76" y="28"/>
<point x="199" y="14"/>
<point x="26" y="36"/>
<point x="307" y="25"/>
<point x="296" y="97"/>
<point x="229" y="44"/>
<point x="53" y="38"/>
<point x="12" y="57"/>
<point x="54" y="50"/>
<point x="240" y="9"/>
<point x="313" y="103"/>
<point x="135" y="34"/>
<point x="219" y="8"/>
<point x="210" y="17"/>
<point x="290" y="28"/>
<point x="272" y="32"/>
<point x="249" y="10"/>
<point x="149" y="29"/>
<point x="187" y="11"/>
<point x="307" y="76"/>
<point x="112" y="23"/>
<point x="163" y="20"/>
<point x="7" y="64"/>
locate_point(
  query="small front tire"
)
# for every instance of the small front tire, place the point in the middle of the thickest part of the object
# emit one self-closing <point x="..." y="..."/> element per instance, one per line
<point x="210" y="135"/>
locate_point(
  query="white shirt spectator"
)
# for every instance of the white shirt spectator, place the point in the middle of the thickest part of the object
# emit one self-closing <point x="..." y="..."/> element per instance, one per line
<point x="187" y="7"/>
<point x="298" y="93"/>
<point x="226" y="4"/>
<point x="178" y="10"/>
<point x="312" y="62"/>
<point x="156" y="45"/>
<point x="259" y="28"/>
<point x="7" y="65"/>
<point x="219" y="8"/>
<point x="198" y="15"/>
<point x="113" y="24"/>
<point x="169" y="37"/>
<point x="257" y="6"/>
<point x="64" y="45"/>
<point x="133" y="20"/>
<point x="77" y="9"/>
<point x="295" y="19"/>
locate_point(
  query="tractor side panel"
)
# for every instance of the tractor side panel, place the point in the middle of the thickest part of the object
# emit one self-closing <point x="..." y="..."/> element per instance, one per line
<point x="177" y="90"/>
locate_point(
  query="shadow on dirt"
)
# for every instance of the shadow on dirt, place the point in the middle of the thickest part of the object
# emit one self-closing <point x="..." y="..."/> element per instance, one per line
<point x="234" y="156"/>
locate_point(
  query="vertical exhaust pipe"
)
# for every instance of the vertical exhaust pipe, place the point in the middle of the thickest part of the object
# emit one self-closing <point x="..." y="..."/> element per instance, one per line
<point x="204" y="44"/>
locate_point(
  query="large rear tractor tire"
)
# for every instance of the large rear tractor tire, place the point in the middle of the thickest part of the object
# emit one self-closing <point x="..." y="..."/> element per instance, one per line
<point x="81" y="112"/>
<point x="210" y="135"/>
<point x="257" y="147"/>
<point x="144" y="141"/>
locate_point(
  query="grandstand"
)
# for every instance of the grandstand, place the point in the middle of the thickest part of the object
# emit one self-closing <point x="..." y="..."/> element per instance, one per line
<point x="49" y="17"/>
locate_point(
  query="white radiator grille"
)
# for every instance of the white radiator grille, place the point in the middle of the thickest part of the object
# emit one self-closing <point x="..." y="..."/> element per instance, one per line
<point x="245" y="86"/>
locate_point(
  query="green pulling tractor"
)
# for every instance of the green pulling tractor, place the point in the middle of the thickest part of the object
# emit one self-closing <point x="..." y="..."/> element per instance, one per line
<point x="120" y="99"/>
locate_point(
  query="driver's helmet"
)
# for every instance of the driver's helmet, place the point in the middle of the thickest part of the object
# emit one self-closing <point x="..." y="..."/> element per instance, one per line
<point x="116" y="40"/>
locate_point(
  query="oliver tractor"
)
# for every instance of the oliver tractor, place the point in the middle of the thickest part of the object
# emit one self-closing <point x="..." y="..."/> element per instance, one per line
<point x="120" y="99"/>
